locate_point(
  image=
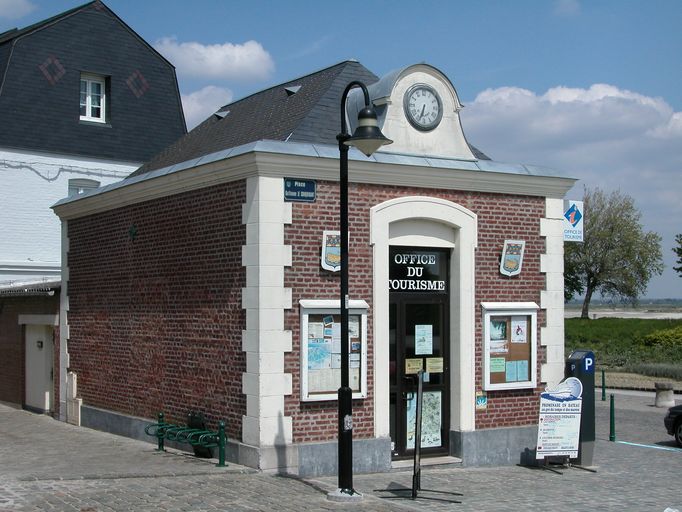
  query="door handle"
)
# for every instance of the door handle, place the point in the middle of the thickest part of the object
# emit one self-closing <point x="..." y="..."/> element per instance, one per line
<point x="408" y="396"/>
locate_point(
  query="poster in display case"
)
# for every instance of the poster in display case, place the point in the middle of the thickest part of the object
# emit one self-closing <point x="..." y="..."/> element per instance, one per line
<point x="321" y="349"/>
<point x="509" y="345"/>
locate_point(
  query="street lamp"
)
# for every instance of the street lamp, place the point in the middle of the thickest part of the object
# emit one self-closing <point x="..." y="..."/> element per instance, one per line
<point x="367" y="138"/>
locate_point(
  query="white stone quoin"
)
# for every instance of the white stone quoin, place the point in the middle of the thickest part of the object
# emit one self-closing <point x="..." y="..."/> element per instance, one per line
<point x="265" y="341"/>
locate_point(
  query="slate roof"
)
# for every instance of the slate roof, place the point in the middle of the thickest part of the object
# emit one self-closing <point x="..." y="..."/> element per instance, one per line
<point x="309" y="115"/>
<point x="40" y="68"/>
<point x="13" y="33"/>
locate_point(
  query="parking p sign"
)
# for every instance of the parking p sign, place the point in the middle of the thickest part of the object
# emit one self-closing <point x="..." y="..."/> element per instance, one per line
<point x="588" y="361"/>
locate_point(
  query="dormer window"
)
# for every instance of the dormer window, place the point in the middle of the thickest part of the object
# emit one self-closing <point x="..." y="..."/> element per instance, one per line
<point x="80" y="185"/>
<point x="93" y="101"/>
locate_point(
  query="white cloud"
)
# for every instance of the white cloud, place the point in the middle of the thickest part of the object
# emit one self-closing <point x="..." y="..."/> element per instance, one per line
<point x="200" y="104"/>
<point x="15" y="9"/>
<point x="605" y="136"/>
<point x="244" y="62"/>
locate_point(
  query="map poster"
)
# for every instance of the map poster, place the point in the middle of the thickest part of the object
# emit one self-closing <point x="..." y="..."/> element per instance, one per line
<point x="319" y="354"/>
<point x="559" y="422"/>
<point x="431" y="420"/>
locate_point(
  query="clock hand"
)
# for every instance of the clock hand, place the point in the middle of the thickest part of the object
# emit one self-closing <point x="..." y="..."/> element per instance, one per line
<point x="422" y="114"/>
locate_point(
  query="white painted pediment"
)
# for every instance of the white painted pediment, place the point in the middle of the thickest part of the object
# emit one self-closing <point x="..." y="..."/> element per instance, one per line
<point x="388" y="94"/>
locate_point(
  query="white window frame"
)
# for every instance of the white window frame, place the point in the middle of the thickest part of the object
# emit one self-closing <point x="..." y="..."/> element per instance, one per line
<point x="505" y="309"/>
<point x="317" y="307"/>
<point x="79" y="186"/>
<point x="90" y="79"/>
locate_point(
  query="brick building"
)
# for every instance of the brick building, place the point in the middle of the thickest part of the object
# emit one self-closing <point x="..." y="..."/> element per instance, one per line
<point x="84" y="101"/>
<point x="206" y="281"/>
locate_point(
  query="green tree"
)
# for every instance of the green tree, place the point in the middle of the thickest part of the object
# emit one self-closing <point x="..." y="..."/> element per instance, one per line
<point x="617" y="258"/>
<point x="678" y="250"/>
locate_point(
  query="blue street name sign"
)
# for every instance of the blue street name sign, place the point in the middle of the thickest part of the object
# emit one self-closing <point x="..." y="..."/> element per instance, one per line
<point x="299" y="190"/>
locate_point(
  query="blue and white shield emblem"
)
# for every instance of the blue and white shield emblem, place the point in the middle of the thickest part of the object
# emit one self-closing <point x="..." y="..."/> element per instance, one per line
<point x="512" y="257"/>
<point x="331" y="250"/>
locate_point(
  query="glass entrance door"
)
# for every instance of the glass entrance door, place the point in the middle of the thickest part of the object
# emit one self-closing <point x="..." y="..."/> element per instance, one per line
<point x="419" y="340"/>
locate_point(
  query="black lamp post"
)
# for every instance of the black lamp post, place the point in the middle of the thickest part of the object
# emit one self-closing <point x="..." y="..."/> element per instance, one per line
<point x="367" y="138"/>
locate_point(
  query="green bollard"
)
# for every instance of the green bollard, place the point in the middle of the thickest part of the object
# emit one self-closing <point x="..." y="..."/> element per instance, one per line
<point x="612" y="423"/>
<point x="603" y="385"/>
<point x="158" y="435"/>
<point x="221" y="444"/>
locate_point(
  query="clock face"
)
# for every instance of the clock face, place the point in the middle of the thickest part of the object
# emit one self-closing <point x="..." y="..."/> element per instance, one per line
<point x="423" y="107"/>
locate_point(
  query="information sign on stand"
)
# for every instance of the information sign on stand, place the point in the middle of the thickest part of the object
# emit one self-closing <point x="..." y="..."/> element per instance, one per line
<point x="559" y="423"/>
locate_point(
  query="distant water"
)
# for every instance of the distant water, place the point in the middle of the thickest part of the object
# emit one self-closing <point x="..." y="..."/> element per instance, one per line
<point x="674" y="314"/>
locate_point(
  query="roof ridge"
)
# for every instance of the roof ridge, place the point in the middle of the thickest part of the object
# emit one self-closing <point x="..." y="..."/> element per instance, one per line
<point x="309" y="125"/>
<point x="19" y="32"/>
<point x="285" y="83"/>
<point x="269" y="114"/>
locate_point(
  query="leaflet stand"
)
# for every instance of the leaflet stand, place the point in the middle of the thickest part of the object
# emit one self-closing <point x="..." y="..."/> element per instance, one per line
<point x="546" y="464"/>
<point x="416" y="467"/>
<point x="565" y="463"/>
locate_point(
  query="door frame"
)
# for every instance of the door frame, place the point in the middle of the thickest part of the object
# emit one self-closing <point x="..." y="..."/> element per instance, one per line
<point x="402" y="300"/>
<point x="49" y="367"/>
<point x="435" y="222"/>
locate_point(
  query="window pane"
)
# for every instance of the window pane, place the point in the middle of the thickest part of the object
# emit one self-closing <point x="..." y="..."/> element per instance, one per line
<point x="92" y="99"/>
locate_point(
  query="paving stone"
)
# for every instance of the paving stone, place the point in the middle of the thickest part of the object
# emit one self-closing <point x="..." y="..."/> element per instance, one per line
<point x="48" y="465"/>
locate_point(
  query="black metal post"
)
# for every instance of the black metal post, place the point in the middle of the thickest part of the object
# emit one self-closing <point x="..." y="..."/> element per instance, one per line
<point x="367" y="138"/>
<point x="345" y="475"/>
<point x="345" y="472"/>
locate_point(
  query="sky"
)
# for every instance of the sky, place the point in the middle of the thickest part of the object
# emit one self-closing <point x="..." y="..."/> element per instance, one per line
<point x="592" y="88"/>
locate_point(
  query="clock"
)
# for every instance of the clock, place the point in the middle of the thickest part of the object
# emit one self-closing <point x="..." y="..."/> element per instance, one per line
<point x="423" y="107"/>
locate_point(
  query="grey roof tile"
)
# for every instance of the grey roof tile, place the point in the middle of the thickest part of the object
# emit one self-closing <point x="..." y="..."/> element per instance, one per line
<point x="311" y="115"/>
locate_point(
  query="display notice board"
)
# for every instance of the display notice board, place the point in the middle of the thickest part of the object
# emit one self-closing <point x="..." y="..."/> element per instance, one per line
<point x="559" y="420"/>
<point x="321" y="349"/>
<point x="510" y="345"/>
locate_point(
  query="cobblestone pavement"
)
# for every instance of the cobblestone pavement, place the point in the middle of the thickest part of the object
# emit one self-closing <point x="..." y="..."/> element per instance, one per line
<point x="48" y="465"/>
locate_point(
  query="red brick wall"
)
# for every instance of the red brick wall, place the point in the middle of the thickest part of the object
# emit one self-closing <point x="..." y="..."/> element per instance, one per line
<point x="500" y="217"/>
<point x="156" y="319"/>
<point x="12" y="351"/>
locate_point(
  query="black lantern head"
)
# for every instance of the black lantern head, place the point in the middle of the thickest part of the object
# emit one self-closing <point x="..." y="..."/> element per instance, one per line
<point x="367" y="136"/>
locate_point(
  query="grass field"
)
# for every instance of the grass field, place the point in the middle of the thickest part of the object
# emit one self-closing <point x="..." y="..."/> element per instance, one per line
<point x="643" y="346"/>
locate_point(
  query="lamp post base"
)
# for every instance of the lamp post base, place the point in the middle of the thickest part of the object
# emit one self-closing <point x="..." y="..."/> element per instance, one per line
<point x="344" y="496"/>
